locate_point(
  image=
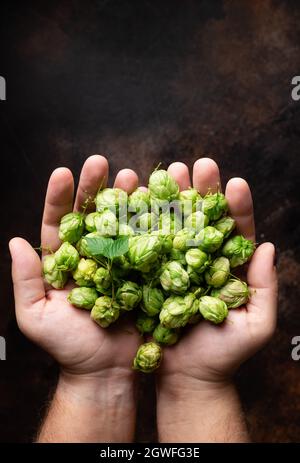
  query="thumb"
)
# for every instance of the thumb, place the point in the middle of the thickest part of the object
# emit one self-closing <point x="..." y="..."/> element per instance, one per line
<point x="262" y="280"/>
<point x="26" y="274"/>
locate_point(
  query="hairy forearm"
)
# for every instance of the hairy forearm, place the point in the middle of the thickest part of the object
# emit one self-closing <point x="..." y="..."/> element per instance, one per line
<point x="90" y="410"/>
<point x="191" y="411"/>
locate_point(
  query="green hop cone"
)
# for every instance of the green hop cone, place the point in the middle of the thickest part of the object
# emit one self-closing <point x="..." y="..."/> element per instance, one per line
<point x="106" y="223"/>
<point x="52" y="274"/>
<point x="145" y="324"/>
<point x="66" y="257"/>
<point x="139" y="202"/>
<point x="162" y="186"/>
<point x="225" y="225"/>
<point x="165" y="239"/>
<point x="169" y="223"/>
<point x="125" y="230"/>
<point x="235" y="293"/>
<point x="178" y="310"/>
<point x="196" y="221"/>
<point x="191" y="194"/>
<point x="218" y="273"/>
<point x="121" y="262"/>
<point x="120" y="273"/>
<point x="82" y="246"/>
<point x="129" y="295"/>
<point x="165" y="336"/>
<point x="198" y="291"/>
<point x="83" y="298"/>
<point x="102" y="280"/>
<point x="71" y="227"/>
<point x="178" y="256"/>
<point x="90" y="221"/>
<point x="213" y="309"/>
<point x="84" y="273"/>
<point x="214" y="205"/>
<point x="183" y="239"/>
<point x="146" y="222"/>
<point x="166" y="243"/>
<point x="143" y="250"/>
<point x="148" y="357"/>
<point x="105" y="311"/>
<point x="174" y="278"/>
<point x="195" y="277"/>
<point x="209" y="239"/>
<point x="153" y="299"/>
<point x="238" y="250"/>
<point x="151" y="278"/>
<point x="113" y="199"/>
<point x="197" y="259"/>
<point x="189" y="199"/>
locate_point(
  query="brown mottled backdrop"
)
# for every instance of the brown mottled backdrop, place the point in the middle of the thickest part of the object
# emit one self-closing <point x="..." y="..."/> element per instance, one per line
<point x="147" y="81"/>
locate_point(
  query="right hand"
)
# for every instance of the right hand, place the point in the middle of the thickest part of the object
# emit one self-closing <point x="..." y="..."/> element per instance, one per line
<point x="44" y="315"/>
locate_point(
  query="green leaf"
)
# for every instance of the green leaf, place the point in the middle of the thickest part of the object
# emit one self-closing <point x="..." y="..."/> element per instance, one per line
<point x="107" y="247"/>
<point x="97" y="246"/>
<point x="119" y="246"/>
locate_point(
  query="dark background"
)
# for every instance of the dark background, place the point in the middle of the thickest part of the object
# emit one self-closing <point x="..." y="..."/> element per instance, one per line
<point x="142" y="82"/>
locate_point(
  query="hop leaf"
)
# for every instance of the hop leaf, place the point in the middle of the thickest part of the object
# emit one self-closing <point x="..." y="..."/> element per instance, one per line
<point x="107" y="247"/>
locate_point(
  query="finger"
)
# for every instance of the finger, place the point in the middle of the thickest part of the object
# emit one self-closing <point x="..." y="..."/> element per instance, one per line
<point x="58" y="202"/>
<point x="262" y="281"/>
<point x="180" y="172"/>
<point x="240" y="202"/>
<point x="26" y="274"/>
<point x="206" y="176"/>
<point x="127" y="180"/>
<point x="94" y="175"/>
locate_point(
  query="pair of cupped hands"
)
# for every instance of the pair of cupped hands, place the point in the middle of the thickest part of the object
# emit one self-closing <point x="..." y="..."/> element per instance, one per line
<point x="206" y="354"/>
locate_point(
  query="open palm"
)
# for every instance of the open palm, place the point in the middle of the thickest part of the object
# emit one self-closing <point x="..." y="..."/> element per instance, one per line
<point x="43" y="314"/>
<point x="210" y="352"/>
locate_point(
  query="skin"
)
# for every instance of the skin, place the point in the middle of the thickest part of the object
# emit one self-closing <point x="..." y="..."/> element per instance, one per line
<point x="197" y="401"/>
<point x="94" y="399"/>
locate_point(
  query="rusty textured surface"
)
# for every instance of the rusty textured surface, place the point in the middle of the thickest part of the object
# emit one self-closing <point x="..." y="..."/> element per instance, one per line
<point x="153" y="81"/>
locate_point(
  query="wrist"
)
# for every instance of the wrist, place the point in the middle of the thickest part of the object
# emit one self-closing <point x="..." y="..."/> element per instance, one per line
<point x="91" y="408"/>
<point x="195" y="410"/>
<point x="177" y="386"/>
<point x="109" y="389"/>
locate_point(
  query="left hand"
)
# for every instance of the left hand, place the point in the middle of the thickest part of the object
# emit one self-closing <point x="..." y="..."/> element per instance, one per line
<point x="208" y="353"/>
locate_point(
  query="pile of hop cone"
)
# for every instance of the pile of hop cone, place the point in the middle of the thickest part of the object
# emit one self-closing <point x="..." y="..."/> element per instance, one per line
<point x="165" y="254"/>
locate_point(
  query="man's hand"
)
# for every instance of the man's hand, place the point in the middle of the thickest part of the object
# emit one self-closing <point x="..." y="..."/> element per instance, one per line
<point x="196" y="372"/>
<point x="95" y="363"/>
